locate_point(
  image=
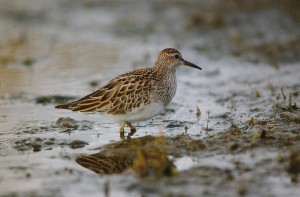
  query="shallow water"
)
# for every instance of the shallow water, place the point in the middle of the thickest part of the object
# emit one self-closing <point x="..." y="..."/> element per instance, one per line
<point x="242" y="143"/>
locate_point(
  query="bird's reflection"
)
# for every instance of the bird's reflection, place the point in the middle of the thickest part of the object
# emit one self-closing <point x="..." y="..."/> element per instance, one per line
<point x="147" y="156"/>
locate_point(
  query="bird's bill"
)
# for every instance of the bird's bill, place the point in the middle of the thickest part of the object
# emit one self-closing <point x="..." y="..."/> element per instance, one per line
<point x="187" y="63"/>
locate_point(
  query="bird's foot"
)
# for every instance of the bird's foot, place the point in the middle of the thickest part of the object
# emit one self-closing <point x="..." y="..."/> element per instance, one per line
<point x="122" y="130"/>
<point x="132" y="132"/>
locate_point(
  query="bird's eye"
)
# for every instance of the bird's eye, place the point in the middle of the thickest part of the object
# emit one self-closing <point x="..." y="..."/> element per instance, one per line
<point x="176" y="56"/>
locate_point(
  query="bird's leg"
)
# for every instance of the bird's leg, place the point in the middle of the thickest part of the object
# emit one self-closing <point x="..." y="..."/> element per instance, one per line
<point x="122" y="129"/>
<point x="123" y="124"/>
<point x="122" y="136"/>
<point x="132" y="129"/>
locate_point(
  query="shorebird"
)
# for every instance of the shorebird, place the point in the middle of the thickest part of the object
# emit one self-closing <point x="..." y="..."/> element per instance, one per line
<point x="136" y="95"/>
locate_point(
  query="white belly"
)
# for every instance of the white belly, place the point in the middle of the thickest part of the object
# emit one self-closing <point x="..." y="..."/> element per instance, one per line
<point x="140" y="114"/>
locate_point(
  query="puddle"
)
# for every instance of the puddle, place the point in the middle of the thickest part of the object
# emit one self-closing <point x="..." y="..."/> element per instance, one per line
<point x="185" y="163"/>
<point x="233" y="126"/>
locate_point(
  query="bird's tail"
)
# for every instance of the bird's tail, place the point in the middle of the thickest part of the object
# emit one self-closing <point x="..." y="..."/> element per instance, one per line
<point x="70" y="105"/>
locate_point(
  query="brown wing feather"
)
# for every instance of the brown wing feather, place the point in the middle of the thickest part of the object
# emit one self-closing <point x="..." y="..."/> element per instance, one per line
<point x="118" y="96"/>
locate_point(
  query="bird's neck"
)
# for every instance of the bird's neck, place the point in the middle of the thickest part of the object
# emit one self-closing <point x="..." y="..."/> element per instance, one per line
<point x="168" y="84"/>
<point x="164" y="71"/>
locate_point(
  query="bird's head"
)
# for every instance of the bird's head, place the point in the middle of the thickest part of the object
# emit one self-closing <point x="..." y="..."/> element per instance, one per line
<point x="171" y="58"/>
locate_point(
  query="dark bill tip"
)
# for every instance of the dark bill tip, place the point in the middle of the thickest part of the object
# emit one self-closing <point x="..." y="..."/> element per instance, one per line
<point x="187" y="63"/>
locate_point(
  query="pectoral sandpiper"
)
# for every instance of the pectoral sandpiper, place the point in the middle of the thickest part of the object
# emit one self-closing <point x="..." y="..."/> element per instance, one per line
<point x="136" y="95"/>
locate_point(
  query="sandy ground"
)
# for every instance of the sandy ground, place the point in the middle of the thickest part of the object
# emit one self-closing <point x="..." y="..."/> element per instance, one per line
<point x="233" y="129"/>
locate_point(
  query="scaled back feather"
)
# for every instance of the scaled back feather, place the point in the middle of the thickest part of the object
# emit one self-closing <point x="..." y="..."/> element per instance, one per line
<point x="118" y="96"/>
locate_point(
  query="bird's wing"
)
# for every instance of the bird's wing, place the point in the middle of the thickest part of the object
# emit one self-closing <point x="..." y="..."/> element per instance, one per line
<point x="120" y="95"/>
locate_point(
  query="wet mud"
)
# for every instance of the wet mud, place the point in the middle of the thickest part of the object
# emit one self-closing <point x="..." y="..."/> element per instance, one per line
<point x="233" y="129"/>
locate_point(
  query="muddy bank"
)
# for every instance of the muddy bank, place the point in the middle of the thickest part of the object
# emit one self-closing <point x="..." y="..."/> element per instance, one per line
<point x="237" y="161"/>
<point x="232" y="129"/>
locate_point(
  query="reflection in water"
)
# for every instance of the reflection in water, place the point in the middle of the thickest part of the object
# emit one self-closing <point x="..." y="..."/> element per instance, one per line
<point x="146" y="155"/>
<point x="104" y="164"/>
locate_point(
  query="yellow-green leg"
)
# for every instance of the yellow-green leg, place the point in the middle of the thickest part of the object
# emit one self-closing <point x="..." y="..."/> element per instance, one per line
<point x="132" y="128"/>
<point x="123" y="124"/>
<point x="122" y="129"/>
